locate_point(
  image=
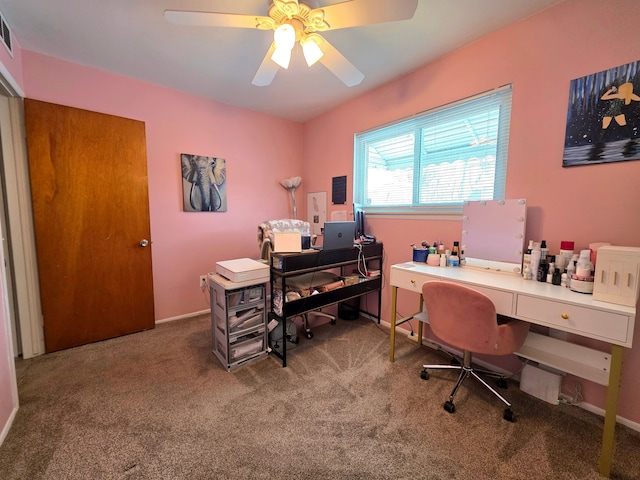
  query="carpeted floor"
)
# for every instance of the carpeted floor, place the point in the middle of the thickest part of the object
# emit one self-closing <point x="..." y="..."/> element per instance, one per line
<point x="158" y="405"/>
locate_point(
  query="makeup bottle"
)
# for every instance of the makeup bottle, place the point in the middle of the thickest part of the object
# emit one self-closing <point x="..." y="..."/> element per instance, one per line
<point x="544" y="250"/>
<point x="526" y="258"/>
<point x="584" y="267"/>
<point x="536" y="255"/>
<point x="566" y="252"/>
<point x="543" y="268"/>
<point x="571" y="269"/>
<point x="454" y="257"/>
<point x="551" y="270"/>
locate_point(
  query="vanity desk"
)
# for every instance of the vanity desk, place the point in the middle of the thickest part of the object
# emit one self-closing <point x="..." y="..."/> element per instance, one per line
<point x="546" y="305"/>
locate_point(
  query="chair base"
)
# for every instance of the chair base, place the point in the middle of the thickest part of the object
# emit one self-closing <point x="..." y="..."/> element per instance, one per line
<point x="466" y="370"/>
<point x="305" y="317"/>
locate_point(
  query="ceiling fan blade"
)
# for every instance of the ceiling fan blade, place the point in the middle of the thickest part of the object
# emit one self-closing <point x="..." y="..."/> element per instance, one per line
<point x="212" y="19"/>
<point x="366" y="12"/>
<point x="339" y="65"/>
<point x="267" y="69"/>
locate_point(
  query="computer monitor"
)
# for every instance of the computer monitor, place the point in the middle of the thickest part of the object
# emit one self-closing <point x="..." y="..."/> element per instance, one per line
<point x="358" y="217"/>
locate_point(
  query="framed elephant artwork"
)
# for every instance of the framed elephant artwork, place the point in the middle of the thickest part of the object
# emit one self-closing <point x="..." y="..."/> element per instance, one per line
<point x="204" y="186"/>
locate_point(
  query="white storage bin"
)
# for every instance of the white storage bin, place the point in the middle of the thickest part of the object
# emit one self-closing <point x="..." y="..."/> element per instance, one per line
<point x="616" y="276"/>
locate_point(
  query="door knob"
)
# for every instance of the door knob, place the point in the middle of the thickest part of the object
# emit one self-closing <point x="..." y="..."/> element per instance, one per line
<point x="144" y="242"/>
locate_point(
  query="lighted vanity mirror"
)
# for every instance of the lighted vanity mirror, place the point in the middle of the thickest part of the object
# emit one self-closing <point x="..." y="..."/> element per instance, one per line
<point x="493" y="232"/>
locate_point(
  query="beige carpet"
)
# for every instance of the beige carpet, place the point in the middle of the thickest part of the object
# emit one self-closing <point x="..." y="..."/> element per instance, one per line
<point x="158" y="405"/>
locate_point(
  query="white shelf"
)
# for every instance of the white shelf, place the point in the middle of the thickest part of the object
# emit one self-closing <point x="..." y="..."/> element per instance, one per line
<point x="568" y="357"/>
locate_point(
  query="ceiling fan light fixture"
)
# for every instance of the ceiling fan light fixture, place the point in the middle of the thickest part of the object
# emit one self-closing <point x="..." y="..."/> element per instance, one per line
<point x="285" y="38"/>
<point x="282" y="57"/>
<point x="311" y="50"/>
<point x="295" y="21"/>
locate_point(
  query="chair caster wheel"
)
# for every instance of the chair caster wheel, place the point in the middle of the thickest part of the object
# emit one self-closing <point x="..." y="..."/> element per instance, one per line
<point x="449" y="406"/>
<point x="309" y="335"/>
<point x="508" y="415"/>
<point x="424" y="374"/>
<point x="333" y="322"/>
<point x="502" y="383"/>
<point x="294" y="340"/>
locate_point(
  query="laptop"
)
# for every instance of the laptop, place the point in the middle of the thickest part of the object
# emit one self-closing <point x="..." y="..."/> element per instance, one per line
<point x="338" y="235"/>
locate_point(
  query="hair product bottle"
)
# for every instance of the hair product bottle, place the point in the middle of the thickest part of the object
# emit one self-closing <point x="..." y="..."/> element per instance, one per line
<point x="526" y="258"/>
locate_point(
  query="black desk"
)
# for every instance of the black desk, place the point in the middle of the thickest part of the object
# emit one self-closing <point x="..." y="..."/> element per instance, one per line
<point x="287" y="265"/>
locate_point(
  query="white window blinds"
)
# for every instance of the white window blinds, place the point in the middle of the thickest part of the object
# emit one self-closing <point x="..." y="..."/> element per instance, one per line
<point x="436" y="160"/>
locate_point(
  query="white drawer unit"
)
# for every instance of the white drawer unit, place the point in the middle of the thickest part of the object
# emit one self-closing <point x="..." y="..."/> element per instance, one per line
<point x="238" y="321"/>
<point x="616" y="275"/>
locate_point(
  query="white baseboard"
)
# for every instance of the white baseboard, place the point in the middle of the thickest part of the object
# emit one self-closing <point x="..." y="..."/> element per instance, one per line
<point x="7" y="426"/>
<point x="599" y="411"/>
<point x="585" y="406"/>
<point x="183" y="317"/>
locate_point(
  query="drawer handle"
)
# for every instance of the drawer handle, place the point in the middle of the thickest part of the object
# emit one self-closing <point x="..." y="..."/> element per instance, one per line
<point x="413" y="281"/>
<point x="565" y="316"/>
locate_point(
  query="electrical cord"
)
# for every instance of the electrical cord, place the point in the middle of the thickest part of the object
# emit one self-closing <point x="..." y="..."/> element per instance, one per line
<point x="361" y="260"/>
<point x="207" y="297"/>
<point x="576" y="398"/>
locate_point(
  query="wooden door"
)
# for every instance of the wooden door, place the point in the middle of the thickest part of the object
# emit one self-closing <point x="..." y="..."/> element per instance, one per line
<point x="91" y="212"/>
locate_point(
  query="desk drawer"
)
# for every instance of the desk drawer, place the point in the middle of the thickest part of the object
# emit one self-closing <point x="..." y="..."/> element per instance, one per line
<point x="502" y="300"/>
<point x="607" y="326"/>
<point x="413" y="281"/>
<point x="410" y="280"/>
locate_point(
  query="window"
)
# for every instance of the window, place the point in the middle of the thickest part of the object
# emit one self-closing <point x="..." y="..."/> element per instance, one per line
<point x="432" y="162"/>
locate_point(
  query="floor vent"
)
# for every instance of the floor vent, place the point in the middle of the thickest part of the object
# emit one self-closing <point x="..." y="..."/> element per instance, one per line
<point x="5" y="34"/>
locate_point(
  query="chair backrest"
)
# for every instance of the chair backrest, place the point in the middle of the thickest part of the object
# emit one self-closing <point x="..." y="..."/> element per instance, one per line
<point x="466" y="319"/>
<point x="266" y="230"/>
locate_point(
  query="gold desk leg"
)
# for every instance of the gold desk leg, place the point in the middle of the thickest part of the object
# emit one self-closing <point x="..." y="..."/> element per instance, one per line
<point x="611" y="411"/>
<point x="392" y="336"/>
<point x="419" y="322"/>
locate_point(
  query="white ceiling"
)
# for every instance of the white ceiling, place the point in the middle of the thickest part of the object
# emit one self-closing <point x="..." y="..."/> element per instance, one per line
<point x="131" y="38"/>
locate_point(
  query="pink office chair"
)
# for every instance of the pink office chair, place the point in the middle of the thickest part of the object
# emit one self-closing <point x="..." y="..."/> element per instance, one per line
<point x="467" y="320"/>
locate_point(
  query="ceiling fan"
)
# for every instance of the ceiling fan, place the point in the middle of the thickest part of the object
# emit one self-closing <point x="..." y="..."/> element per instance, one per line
<point x="293" y="21"/>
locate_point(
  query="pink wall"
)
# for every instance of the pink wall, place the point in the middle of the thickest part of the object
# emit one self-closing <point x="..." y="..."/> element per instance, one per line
<point x="260" y="150"/>
<point x="539" y="56"/>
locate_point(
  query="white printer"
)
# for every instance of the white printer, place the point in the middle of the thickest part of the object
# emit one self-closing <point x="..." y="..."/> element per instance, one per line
<point x="243" y="270"/>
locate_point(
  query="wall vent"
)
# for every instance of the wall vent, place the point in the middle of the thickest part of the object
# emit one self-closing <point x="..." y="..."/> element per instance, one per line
<point x="5" y="34"/>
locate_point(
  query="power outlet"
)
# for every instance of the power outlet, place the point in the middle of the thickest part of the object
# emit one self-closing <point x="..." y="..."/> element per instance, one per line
<point x="203" y="281"/>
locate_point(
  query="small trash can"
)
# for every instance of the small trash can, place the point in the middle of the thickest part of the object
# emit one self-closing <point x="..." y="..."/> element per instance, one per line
<point x="349" y="309"/>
